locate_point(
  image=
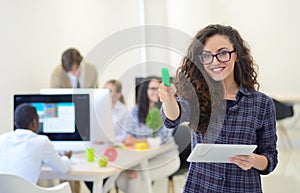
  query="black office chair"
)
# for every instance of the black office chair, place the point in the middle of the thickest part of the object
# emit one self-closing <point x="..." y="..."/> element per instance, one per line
<point x="182" y="137"/>
<point x="283" y="111"/>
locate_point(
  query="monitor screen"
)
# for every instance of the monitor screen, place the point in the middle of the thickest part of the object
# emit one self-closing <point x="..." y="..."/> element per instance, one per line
<point x="101" y="123"/>
<point x="62" y="117"/>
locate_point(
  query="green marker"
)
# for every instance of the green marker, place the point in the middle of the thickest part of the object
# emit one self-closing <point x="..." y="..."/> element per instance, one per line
<point x="165" y="76"/>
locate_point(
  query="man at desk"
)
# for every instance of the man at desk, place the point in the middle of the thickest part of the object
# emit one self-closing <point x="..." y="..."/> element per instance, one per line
<point x="23" y="151"/>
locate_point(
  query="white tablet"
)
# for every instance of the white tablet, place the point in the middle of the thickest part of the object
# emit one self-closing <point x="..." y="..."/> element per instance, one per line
<point x="218" y="153"/>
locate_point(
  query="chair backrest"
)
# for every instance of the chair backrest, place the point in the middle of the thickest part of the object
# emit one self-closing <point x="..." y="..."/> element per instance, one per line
<point x="283" y="110"/>
<point x="15" y="184"/>
<point x="182" y="137"/>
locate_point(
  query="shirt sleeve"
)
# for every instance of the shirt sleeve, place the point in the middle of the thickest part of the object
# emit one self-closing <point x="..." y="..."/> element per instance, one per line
<point x="185" y="114"/>
<point x="267" y="137"/>
<point x="131" y="123"/>
<point x="53" y="160"/>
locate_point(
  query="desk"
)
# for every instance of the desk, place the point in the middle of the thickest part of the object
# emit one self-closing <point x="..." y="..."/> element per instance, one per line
<point x="90" y="171"/>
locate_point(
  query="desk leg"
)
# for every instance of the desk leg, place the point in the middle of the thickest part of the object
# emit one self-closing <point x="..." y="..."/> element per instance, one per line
<point x="110" y="182"/>
<point x="295" y="121"/>
<point x="97" y="187"/>
<point x="146" y="176"/>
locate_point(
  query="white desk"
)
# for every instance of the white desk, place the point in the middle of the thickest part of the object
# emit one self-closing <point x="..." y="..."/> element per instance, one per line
<point x="90" y="171"/>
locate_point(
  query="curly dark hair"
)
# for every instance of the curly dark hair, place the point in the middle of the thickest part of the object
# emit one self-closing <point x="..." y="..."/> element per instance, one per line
<point x="142" y="98"/>
<point x="208" y="91"/>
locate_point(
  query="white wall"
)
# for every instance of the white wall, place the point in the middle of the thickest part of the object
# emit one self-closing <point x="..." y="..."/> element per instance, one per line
<point x="271" y="28"/>
<point x="34" y="34"/>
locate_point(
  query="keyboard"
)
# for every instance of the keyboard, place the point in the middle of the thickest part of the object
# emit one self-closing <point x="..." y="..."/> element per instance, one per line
<point x="74" y="146"/>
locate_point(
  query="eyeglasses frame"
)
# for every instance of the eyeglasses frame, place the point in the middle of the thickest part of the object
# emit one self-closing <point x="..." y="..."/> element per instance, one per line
<point x="216" y="56"/>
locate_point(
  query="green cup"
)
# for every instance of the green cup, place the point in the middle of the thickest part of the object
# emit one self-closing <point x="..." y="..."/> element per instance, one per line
<point x="90" y="154"/>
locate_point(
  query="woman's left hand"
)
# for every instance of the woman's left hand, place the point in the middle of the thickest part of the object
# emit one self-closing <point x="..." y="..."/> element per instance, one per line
<point x="245" y="162"/>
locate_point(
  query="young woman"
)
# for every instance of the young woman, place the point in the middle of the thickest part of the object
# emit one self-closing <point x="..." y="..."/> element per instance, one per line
<point x="147" y="99"/>
<point x="228" y="109"/>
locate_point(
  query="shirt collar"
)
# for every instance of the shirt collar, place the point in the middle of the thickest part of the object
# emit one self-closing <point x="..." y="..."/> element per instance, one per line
<point x="22" y="131"/>
<point x="73" y="79"/>
<point x="71" y="76"/>
<point x="243" y="91"/>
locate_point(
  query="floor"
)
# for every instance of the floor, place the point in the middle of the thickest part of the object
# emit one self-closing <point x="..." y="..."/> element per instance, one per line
<point x="286" y="177"/>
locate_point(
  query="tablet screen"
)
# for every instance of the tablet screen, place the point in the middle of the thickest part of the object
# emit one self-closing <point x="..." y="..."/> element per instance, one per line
<point x="218" y="153"/>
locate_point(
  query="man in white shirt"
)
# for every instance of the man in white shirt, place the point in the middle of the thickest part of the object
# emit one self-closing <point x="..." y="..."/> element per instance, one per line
<point x="23" y="152"/>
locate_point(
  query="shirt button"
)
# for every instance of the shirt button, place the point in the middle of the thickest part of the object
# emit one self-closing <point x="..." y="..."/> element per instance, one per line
<point x="221" y="178"/>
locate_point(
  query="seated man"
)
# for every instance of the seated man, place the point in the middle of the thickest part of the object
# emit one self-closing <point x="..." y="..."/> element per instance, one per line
<point x="23" y="152"/>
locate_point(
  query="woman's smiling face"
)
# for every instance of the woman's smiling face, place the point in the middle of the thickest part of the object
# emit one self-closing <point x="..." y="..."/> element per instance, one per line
<point x="217" y="70"/>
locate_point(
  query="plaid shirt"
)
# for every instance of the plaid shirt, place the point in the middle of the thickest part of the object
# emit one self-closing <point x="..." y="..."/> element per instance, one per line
<point x="250" y="120"/>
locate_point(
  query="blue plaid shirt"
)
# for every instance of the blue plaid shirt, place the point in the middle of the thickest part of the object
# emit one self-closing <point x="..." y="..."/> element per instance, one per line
<point x="250" y="120"/>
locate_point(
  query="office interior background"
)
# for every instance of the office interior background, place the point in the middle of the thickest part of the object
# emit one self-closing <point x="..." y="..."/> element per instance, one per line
<point x="34" y="34"/>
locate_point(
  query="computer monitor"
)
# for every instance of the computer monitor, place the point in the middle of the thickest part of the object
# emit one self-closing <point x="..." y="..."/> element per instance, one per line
<point x="62" y="117"/>
<point x="101" y="124"/>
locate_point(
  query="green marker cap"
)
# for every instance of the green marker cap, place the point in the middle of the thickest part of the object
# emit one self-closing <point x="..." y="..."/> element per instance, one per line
<point x="165" y="76"/>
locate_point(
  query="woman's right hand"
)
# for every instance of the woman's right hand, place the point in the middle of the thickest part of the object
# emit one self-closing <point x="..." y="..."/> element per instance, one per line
<point x="166" y="93"/>
<point x="167" y="97"/>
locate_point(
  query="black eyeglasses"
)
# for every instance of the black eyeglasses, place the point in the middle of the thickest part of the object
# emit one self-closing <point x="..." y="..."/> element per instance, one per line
<point x="223" y="56"/>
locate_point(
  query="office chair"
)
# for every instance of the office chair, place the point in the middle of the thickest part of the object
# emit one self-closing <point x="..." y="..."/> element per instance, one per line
<point x="182" y="137"/>
<point x="15" y="184"/>
<point x="283" y="111"/>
